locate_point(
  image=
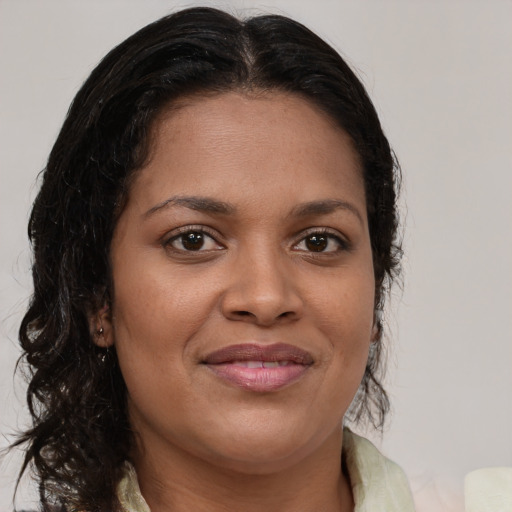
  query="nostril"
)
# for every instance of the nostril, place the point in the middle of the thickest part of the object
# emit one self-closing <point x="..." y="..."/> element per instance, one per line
<point x="247" y="314"/>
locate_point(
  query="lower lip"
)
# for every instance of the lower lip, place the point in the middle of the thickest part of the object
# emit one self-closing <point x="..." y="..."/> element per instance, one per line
<point x="259" y="379"/>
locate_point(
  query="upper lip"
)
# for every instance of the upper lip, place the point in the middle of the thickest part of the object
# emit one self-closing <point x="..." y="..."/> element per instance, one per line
<point x="256" y="352"/>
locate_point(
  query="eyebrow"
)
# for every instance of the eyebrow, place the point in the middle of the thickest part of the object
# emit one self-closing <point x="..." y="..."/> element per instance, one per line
<point x="209" y="205"/>
<point x="325" y="207"/>
<point x="202" y="204"/>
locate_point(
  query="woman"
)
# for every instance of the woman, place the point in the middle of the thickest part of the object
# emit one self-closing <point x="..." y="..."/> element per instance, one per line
<point x="213" y="240"/>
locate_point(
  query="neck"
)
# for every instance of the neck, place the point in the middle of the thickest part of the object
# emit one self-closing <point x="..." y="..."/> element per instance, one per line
<point x="175" y="481"/>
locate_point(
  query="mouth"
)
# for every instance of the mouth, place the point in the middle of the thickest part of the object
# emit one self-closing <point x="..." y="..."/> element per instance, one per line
<point x="259" y="368"/>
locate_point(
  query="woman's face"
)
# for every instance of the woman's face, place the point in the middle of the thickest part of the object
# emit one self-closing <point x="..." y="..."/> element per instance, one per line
<point x="243" y="283"/>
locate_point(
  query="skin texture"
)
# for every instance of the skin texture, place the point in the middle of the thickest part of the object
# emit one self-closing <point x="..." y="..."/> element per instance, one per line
<point x="203" y="443"/>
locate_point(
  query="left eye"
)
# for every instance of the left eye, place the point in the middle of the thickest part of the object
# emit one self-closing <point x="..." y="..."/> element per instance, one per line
<point x="320" y="242"/>
<point x="193" y="241"/>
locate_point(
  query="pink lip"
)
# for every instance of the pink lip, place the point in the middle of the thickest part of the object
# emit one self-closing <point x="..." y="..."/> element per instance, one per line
<point x="286" y="364"/>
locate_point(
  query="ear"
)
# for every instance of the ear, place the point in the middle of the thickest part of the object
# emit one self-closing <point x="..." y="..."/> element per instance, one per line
<point x="101" y="327"/>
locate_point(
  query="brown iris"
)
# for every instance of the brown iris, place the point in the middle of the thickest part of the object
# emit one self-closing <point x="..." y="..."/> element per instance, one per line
<point x="317" y="243"/>
<point x="192" y="241"/>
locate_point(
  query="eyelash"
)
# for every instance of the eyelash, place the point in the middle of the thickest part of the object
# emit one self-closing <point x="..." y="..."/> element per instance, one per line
<point x="341" y="243"/>
<point x="189" y="230"/>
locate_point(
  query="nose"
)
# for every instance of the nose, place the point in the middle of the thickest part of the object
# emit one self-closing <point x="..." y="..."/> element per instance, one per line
<point x="262" y="290"/>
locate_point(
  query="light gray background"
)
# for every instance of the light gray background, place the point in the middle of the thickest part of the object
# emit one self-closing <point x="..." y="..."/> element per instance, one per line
<point x="440" y="74"/>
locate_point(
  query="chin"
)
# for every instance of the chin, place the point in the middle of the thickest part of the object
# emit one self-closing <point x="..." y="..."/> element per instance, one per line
<point x="261" y="449"/>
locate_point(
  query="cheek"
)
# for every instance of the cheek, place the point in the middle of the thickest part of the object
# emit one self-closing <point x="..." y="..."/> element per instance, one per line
<point x="346" y="316"/>
<point x="346" y="308"/>
<point x="157" y="316"/>
<point x="153" y="305"/>
<point x="153" y="318"/>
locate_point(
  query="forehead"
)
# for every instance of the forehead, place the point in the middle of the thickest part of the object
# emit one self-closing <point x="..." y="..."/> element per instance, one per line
<point x="243" y="143"/>
<point x="257" y="113"/>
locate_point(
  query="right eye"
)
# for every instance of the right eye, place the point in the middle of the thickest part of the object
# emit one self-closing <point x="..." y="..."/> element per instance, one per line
<point x="193" y="241"/>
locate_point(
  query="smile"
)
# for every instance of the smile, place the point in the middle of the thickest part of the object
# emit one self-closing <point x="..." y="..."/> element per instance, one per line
<point x="261" y="364"/>
<point x="259" y="368"/>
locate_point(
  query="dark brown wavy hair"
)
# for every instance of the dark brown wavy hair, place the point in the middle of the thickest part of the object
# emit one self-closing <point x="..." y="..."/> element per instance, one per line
<point x="80" y="434"/>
